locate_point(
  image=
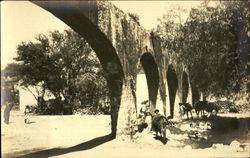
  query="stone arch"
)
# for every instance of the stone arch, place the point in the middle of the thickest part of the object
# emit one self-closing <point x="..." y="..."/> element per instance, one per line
<point x="172" y="82"/>
<point x="185" y="87"/>
<point x="73" y="14"/>
<point x="152" y="75"/>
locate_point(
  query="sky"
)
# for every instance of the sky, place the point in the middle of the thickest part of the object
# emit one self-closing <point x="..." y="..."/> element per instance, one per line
<point x="23" y="20"/>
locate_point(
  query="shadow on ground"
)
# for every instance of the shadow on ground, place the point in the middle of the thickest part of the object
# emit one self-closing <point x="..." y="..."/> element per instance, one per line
<point x="161" y="139"/>
<point x="30" y="122"/>
<point x="223" y="130"/>
<point x="60" y="151"/>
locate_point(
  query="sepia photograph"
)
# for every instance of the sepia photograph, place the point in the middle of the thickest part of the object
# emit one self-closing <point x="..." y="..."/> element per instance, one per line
<point x="125" y="79"/>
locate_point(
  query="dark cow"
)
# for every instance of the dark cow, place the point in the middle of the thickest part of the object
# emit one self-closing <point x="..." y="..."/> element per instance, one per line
<point x="159" y="125"/>
<point x="233" y="110"/>
<point x="187" y="108"/>
<point x="212" y="107"/>
<point x="200" y="107"/>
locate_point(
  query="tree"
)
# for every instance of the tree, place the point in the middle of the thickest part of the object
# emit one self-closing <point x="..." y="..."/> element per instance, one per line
<point x="210" y="43"/>
<point x="60" y="63"/>
<point x="169" y="29"/>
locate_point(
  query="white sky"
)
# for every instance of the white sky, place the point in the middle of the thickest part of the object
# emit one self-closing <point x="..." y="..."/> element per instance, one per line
<point x="22" y="21"/>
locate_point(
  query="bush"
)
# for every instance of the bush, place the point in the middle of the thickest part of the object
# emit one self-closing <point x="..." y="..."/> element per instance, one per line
<point x="56" y="107"/>
<point x="93" y="110"/>
<point x="228" y="106"/>
<point x="50" y="107"/>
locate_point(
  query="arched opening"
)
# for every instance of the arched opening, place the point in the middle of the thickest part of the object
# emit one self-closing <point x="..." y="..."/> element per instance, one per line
<point x="73" y="14"/>
<point x="152" y="76"/>
<point x="185" y="87"/>
<point x="141" y="90"/>
<point x="172" y="87"/>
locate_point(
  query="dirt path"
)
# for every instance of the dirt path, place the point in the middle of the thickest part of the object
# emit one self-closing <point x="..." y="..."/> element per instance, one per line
<point x="87" y="136"/>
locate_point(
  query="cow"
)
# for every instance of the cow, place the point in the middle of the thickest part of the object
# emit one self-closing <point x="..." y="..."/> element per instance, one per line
<point x="187" y="108"/>
<point x="159" y="125"/>
<point x="200" y="107"/>
<point x="212" y="107"/>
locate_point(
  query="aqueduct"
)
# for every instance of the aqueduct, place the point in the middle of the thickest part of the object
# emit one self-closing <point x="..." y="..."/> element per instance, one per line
<point x="122" y="47"/>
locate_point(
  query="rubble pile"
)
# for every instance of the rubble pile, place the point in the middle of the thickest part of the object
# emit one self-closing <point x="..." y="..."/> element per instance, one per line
<point x="234" y="146"/>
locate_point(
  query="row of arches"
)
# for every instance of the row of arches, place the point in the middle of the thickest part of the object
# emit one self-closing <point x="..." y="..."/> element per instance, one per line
<point x="152" y="80"/>
<point x="83" y="22"/>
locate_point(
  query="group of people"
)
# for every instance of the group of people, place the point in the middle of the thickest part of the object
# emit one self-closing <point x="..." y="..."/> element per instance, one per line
<point x="146" y="115"/>
<point x="155" y="121"/>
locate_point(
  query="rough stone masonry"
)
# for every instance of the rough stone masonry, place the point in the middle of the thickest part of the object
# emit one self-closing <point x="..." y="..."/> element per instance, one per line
<point x="123" y="48"/>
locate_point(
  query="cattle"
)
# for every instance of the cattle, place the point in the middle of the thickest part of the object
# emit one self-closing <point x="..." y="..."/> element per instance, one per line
<point x="200" y="107"/>
<point x="233" y="110"/>
<point x="159" y="125"/>
<point x="212" y="107"/>
<point x="187" y="108"/>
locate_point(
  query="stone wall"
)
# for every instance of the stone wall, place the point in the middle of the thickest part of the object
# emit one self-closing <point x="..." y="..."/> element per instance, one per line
<point x="123" y="47"/>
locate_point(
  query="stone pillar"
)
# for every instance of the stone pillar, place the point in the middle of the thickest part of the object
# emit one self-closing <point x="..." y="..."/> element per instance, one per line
<point x="176" y="104"/>
<point x="127" y="114"/>
<point x="190" y="94"/>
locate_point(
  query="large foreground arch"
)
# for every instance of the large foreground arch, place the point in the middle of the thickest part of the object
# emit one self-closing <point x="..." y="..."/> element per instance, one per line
<point x="73" y="14"/>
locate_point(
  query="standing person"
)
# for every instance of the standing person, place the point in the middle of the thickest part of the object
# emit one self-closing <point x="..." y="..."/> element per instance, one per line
<point x="148" y="118"/>
<point x="26" y="113"/>
<point x="7" y="112"/>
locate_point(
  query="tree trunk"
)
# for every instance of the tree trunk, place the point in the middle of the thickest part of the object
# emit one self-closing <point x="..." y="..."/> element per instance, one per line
<point x="40" y="102"/>
<point x="58" y="103"/>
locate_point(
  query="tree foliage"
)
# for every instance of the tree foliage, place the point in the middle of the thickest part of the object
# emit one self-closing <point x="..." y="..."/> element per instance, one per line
<point x="64" y="65"/>
<point x="213" y="42"/>
<point x="135" y="17"/>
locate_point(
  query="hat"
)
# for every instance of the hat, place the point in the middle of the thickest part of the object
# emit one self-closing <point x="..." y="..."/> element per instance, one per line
<point x="156" y="110"/>
<point x="144" y="102"/>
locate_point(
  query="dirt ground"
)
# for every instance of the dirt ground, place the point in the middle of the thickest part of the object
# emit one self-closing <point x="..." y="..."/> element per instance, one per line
<point x="88" y="136"/>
